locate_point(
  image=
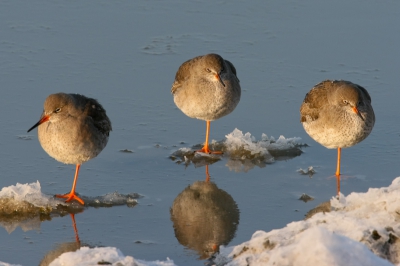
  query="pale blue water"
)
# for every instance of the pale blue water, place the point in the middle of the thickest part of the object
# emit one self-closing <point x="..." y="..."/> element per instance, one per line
<point x="126" y="53"/>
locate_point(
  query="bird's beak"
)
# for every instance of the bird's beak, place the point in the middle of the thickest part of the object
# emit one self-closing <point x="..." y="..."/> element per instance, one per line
<point x="217" y="76"/>
<point x="44" y="118"/>
<point x="355" y="110"/>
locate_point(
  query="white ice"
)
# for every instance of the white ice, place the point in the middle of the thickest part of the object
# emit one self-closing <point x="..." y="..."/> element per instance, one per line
<point x="29" y="193"/>
<point x="245" y="152"/>
<point x="237" y="140"/>
<point x="344" y="236"/>
<point x="86" y="256"/>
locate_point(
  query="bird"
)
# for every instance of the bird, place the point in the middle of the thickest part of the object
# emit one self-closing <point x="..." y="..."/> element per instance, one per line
<point x="73" y="129"/>
<point x="206" y="87"/>
<point x="337" y="114"/>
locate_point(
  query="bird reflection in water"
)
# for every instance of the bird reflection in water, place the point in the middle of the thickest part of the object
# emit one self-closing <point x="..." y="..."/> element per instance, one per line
<point x="63" y="247"/>
<point x="204" y="217"/>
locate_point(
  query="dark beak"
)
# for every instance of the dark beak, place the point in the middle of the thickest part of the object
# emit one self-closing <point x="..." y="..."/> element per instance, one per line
<point x="44" y="118"/>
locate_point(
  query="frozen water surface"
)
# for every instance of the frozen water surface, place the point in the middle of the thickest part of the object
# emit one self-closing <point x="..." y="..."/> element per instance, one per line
<point x="126" y="54"/>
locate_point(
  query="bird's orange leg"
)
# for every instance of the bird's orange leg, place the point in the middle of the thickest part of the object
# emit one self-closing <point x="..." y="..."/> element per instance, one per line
<point x="72" y="196"/>
<point x="75" y="228"/>
<point x="338" y="171"/>
<point x="207" y="174"/>
<point x="205" y="148"/>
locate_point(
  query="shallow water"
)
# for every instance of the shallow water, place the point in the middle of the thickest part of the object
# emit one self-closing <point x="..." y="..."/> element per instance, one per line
<point x="126" y="55"/>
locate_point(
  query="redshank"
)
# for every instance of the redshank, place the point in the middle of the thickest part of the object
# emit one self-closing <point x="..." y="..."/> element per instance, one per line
<point x="207" y="88"/>
<point x="337" y="114"/>
<point x="73" y="129"/>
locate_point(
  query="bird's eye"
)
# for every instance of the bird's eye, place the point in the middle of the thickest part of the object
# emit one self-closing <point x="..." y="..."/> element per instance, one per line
<point x="208" y="70"/>
<point x="345" y="101"/>
<point x="58" y="110"/>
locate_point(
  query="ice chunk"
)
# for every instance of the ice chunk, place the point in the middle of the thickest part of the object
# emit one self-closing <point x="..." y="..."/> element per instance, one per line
<point x="310" y="171"/>
<point x="86" y="256"/>
<point x="242" y="151"/>
<point x="245" y="152"/>
<point x="360" y="229"/>
<point x="25" y="206"/>
<point x="30" y="193"/>
<point x="240" y="145"/>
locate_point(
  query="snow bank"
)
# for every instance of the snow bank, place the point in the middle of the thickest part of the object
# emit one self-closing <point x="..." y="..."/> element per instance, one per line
<point x="360" y="229"/>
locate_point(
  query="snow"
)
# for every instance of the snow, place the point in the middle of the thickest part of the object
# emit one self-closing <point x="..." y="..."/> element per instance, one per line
<point x="360" y="229"/>
<point x="86" y="256"/>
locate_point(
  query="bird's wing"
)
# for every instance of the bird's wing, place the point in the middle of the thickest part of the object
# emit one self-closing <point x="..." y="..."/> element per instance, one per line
<point x="313" y="102"/>
<point x="233" y="69"/>
<point x="183" y="74"/>
<point x="95" y="111"/>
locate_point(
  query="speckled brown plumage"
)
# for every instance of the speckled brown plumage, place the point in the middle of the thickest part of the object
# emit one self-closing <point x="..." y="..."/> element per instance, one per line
<point x="328" y="117"/>
<point x="73" y="129"/>
<point x="206" y="87"/>
<point x="199" y="94"/>
<point x="337" y="114"/>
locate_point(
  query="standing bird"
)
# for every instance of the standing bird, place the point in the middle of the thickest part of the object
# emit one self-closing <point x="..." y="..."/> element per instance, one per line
<point x="206" y="87"/>
<point x="337" y="114"/>
<point x="73" y="129"/>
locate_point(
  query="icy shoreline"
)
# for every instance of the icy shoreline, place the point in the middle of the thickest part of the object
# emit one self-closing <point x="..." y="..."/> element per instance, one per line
<point x="360" y="229"/>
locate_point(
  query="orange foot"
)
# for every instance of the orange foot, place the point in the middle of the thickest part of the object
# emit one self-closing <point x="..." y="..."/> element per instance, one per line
<point x="71" y="196"/>
<point x="208" y="151"/>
